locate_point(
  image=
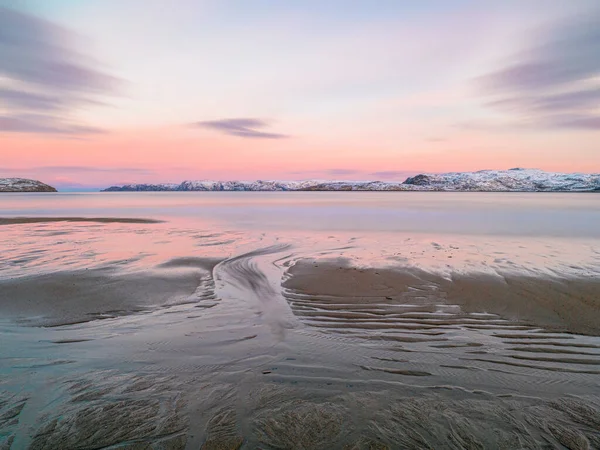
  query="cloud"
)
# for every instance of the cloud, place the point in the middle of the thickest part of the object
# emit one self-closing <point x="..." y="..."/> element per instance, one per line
<point x="326" y="173"/>
<point x="556" y="81"/>
<point x="396" y="174"/>
<point x="80" y="169"/>
<point x="585" y="122"/>
<point x="88" y="169"/>
<point x="342" y="171"/>
<point x="242" y="127"/>
<point x="587" y="98"/>
<point x="44" y="80"/>
<point x="386" y="174"/>
<point x="38" y="123"/>
<point x="28" y="100"/>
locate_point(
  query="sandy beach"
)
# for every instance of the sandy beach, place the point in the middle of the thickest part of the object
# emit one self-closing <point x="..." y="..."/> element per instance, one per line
<point x="383" y="358"/>
<point x="165" y="333"/>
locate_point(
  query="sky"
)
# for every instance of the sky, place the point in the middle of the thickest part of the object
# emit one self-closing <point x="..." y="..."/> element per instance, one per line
<point x="95" y="93"/>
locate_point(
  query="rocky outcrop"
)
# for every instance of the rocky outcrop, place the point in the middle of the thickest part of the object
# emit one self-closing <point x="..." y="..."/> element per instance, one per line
<point x="418" y="180"/>
<point x="23" y="185"/>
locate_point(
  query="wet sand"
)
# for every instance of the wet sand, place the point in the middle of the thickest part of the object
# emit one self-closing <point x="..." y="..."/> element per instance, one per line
<point x="368" y="358"/>
<point x="23" y="220"/>
<point x="195" y="334"/>
<point x="556" y="304"/>
<point x="64" y="298"/>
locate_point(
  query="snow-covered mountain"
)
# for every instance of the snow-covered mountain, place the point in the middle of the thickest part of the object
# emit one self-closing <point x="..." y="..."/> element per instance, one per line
<point x="260" y="185"/>
<point x="23" y="185"/>
<point x="517" y="180"/>
<point x="145" y="187"/>
<point x="507" y="180"/>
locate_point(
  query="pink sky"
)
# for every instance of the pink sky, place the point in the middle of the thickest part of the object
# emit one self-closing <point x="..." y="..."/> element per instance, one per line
<point x="219" y="90"/>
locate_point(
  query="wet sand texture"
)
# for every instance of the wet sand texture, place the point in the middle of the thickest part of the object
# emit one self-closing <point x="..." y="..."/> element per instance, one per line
<point x="560" y="304"/>
<point x="140" y="412"/>
<point x="129" y="410"/>
<point x="380" y="359"/>
<point x="74" y="297"/>
<point x="26" y="220"/>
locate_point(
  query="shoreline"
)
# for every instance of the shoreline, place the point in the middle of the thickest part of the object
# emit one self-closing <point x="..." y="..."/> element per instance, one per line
<point x="267" y="324"/>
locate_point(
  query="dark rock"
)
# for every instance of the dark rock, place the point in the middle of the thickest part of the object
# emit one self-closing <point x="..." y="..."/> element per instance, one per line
<point x="418" y="180"/>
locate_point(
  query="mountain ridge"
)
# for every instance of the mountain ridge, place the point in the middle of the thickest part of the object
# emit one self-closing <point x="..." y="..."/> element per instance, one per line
<point x="512" y="180"/>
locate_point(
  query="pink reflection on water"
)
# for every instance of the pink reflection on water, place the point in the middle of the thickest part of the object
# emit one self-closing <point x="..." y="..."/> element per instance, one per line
<point x="541" y="233"/>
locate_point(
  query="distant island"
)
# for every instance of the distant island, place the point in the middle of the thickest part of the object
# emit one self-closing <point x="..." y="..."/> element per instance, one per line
<point x="513" y="180"/>
<point x="24" y="185"/>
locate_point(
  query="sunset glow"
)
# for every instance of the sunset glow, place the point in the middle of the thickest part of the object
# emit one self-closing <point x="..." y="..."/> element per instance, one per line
<point x="105" y="92"/>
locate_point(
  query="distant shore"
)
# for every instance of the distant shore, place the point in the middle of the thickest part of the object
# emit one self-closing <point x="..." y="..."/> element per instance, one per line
<point x="513" y="180"/>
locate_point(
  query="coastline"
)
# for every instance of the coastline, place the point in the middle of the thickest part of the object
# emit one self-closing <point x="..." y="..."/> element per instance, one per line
<point x="240" y="322"/>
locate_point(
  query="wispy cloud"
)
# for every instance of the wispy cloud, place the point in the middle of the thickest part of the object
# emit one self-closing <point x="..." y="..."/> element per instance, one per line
<point x="356" y="174"/>
<point x="15" y="98"/>
<point x="241" y="127"/>
<point x="327" y="173"/>
<point x="39" y="123"/>
<point x="586" y="98"/>
<point x="342" y="171"/>
<point x="44" y="79"/>
<point x="80" y="169"/>
<point x="89" y="169"/>
<point x="393" y="174"/>
<point x="555" y="83"/>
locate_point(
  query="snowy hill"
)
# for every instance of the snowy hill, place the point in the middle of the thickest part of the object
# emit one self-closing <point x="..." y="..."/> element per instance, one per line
<point x="517" y="180"/>
<point x="307" y="185"/>
<point x="530" y="180"/>
<point x="23" y="185"/>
